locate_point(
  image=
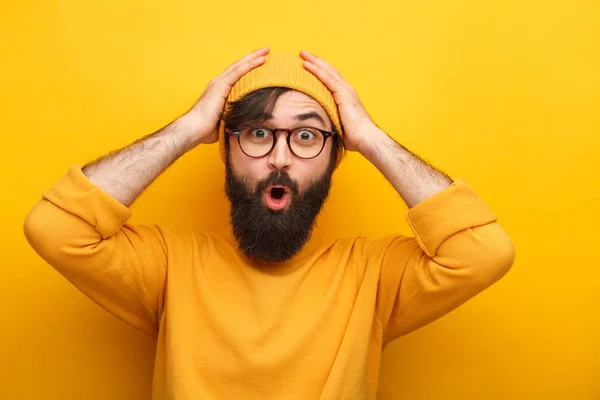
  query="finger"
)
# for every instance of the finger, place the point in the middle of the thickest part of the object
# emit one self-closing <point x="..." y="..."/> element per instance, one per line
<point x="319" y="61"/>
<point x="256" y="53"/>
<point x="242" y="69"/>
<point x="328" y="79"/>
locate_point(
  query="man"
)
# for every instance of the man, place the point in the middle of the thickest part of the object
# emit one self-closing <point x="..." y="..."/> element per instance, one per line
<point x="276" y="312"/>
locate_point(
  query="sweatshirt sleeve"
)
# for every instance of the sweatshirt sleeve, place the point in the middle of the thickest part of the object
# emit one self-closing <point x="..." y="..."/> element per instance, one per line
<point x="458" y="250"/>
<point x="83" y="233"/>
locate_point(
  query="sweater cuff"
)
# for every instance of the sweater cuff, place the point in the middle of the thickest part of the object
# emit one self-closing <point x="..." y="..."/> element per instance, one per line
<point x="76" y="194"/>
<point x="452" y="210"/>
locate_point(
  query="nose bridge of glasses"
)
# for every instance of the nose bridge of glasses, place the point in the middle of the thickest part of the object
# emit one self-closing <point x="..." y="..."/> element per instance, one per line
<point x="285" y="140"/>
<point x="287" y="131"/>
<point x="280" y="154"/>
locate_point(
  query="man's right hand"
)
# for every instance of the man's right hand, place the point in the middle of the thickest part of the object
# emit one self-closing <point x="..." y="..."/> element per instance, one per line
<point x="203" y="118"/>
<point x="125" y="173"/>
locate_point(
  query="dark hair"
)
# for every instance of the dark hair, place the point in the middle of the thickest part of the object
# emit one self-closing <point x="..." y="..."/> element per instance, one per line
<point x="256" y="108"/>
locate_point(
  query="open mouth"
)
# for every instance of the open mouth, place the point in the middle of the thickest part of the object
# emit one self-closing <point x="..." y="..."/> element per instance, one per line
<point x="277" y="197"/>
<point x="277" y="193"/>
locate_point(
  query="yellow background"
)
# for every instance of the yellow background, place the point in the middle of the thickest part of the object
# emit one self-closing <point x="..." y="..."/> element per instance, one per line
<point x="505" y="94"/>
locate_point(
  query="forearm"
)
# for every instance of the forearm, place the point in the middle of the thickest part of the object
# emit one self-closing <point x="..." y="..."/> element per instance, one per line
<point x="414" y="179"/>
<point x="126" y="173"/>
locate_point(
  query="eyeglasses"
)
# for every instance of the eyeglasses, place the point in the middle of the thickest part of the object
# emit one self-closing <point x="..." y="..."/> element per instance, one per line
<point x="303" y="142"/>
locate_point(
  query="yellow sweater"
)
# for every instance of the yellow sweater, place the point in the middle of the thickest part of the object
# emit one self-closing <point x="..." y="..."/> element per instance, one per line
<point x="310" y="328"/>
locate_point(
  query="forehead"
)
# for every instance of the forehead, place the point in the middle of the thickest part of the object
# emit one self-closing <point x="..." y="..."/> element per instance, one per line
<point x="293" y="102"/>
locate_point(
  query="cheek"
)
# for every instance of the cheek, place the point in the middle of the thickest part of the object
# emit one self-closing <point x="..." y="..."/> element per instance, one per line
<point x="246" y="167"/>
<point x="309" y="171"/>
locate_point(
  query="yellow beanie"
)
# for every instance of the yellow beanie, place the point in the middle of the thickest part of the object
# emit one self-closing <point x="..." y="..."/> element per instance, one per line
<point x="282" y="70"/>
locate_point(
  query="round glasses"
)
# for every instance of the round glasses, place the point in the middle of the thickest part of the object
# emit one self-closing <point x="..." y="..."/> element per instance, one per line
<point x="303" y="142"/>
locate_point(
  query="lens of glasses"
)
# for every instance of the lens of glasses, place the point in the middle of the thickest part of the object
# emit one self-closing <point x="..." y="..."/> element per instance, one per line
<point x="256" y="142"/>
<point x="304" y="142"/>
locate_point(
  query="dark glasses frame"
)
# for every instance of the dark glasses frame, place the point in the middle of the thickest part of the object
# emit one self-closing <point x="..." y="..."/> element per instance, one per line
<point x="238" y="134"/>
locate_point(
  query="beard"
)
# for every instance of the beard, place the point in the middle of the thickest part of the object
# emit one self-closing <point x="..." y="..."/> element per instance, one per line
<point x="270" y="235"/>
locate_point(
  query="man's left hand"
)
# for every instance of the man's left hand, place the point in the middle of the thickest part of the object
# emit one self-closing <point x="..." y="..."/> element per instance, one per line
<point x="359" y="128"/>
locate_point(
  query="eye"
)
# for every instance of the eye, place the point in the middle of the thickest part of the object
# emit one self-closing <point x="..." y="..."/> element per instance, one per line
<point x="260" y="133"/>
<point x="305" y="135"/>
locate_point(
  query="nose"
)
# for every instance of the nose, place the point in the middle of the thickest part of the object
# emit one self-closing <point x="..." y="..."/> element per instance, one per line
<point x="280" y="157"/>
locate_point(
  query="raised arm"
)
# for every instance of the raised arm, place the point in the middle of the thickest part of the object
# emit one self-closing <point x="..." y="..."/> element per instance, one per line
<point x="124" y="174"/>
<point x="80" y="226"/>
<point x="458" y="250"/>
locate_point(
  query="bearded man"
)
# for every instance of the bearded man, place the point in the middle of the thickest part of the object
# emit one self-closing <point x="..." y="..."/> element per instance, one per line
<point x="276" y="311"/>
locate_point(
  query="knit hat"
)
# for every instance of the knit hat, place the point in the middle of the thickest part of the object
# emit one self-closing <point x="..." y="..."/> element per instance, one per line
<point x="283" y="70"/>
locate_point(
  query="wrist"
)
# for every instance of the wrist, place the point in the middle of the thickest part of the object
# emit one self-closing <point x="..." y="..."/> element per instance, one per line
<point x="181" y="134"/>
<point x="190" y="128"/>
<point x="372" y="138"/>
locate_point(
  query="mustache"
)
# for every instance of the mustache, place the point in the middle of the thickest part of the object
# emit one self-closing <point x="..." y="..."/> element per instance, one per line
<point x="278" y="178"/>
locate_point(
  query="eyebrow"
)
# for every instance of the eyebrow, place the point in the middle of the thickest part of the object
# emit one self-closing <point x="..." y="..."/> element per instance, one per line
<point x="310" y="115"/>
<point x="300" y="117"/>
